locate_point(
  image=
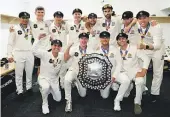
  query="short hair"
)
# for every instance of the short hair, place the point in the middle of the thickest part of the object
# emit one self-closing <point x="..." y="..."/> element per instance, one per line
<point x="39" y="8"/>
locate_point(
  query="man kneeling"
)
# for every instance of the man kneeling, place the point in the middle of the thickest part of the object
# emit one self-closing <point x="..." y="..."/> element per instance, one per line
<point x="48" y="78"/>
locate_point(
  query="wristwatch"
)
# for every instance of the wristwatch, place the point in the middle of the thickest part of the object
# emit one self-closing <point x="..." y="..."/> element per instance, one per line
<point x="147" y="46"/>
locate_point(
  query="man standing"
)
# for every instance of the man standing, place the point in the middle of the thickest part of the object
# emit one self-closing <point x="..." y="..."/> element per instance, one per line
<point x="93" y="28"/>
<point x="40" y="27"/>
<point x="20" y="41"/>
<point x="58" y="29"/>
<point x="131" y="55"/>
<point x="133" y="35"/>
<point x="76" y="27"/>
<point x="75" y="52"/>
<point x="152" y="45"/>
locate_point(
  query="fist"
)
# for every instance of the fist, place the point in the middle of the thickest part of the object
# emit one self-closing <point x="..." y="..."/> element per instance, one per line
<point x="11" y="60"/>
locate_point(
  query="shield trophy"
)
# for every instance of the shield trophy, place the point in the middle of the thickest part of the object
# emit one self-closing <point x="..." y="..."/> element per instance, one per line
<point x="94" y="71"/>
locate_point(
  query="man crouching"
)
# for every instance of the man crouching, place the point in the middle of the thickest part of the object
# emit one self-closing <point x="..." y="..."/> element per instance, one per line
<point x="48" y="78"/>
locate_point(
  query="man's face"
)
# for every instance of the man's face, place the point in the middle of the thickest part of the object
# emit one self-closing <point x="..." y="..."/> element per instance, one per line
<point x="104" y="41"/>
<point x="24" y="20"/>
<point x="40" y="14"/>
<point x="122" y="41"/>
<point x="127" y="21"/>
<point x="58" y="19"/>
<point x="83" y="41"/>
<point x="143" y="21"/>
<point x="55" y="48"/>
<point x="107" y="13"/>
<point x="77" y="16"/>
<point x="92" y="20"/>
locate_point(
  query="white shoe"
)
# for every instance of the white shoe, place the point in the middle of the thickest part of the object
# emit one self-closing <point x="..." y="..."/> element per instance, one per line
<point x="45" y="109"/>
<point x="68" y="107"/>
<point x="117" y="106"/>
<point x="128" y="91"/>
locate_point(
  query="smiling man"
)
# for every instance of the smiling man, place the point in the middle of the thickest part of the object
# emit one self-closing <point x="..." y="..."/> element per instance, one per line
<point x="76" y="27"/>
<point x="19" y="50"/>
<point x="131" y="55"/>
<point x="51" y="63"/>
<point x="152" y="44"/>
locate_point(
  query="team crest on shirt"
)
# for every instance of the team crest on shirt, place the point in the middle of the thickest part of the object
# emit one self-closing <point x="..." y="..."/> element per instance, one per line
<point x="113" y="23"/>
<point x="35" y="26"/>
<point x="76" y="54"/>
<point x="111" y="55"/>
<point x="53" y="30"/>
<point x="46" y="25"/>
<point x="98" y="32"/>
<point x="19" y="32"/>
<point x="72" y="28"/>
<point x="129" y="55"/>
<point x="104" y="24"/>
<point x="82" y="28"/>
<point x="63" y="28"/>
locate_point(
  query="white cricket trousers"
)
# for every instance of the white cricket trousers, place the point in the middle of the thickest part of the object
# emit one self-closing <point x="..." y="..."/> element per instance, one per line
<point x="23" y="60"/>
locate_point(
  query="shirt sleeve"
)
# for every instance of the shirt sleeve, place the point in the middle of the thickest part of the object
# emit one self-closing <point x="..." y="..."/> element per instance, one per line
<point x="119" y="63"/>
<point x="11" y="43"/>
<point x="72" y="51"/>
<point x="157" y="37"/>
<point x="37" y="51"/>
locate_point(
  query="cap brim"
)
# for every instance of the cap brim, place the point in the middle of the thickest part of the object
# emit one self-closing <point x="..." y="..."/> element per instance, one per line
<point x="105" y="37"/>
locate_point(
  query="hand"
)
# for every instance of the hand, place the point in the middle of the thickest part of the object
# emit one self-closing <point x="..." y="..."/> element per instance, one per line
<point x="113" y="79"/>
<point x="92" y="32"/>
<point x="42" y="36"/>
<point x="142" y="73"/>
<point x="154" y="22"/>
<point x="10" y="60"/>
<point x="70" y="44"/>
<point x="126" y="29"/>
<point x="11" y="29"/>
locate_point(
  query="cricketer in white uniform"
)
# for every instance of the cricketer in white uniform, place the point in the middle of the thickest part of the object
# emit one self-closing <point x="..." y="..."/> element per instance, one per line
<point x="110" y="23"/>
<point x="118" y="74"/>
<point x="20" y="41"/>
<point x="152" y="44"/>
<point x="75" y="52"/>
<point x="58" y="29"/>
<point x="133" y="35"/>
<point x="93" y="29"/>
<point x="48" y="79"/>
<point x="76" y="27"/>
<point x="131" y="55"/>
<point x="41" y="27"/>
